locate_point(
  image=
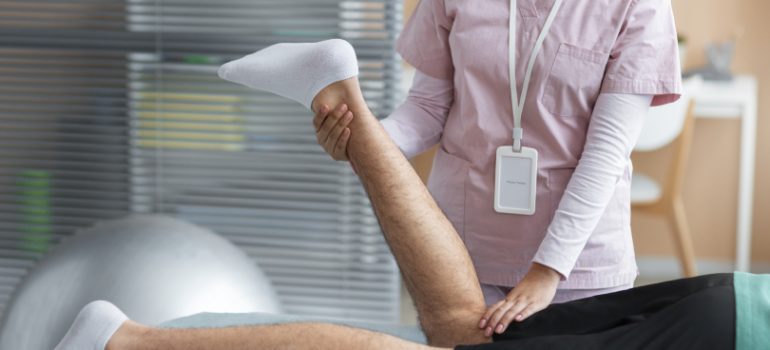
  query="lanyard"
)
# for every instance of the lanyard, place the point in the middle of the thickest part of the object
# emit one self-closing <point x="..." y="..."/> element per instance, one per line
<point x="517" y="103"/>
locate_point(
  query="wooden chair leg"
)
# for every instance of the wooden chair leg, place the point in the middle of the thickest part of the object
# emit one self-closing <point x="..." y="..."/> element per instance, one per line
<point x="683" y="238"/>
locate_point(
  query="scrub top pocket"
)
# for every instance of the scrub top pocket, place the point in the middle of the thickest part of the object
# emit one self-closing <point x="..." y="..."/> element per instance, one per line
<point x="574" y="82"/>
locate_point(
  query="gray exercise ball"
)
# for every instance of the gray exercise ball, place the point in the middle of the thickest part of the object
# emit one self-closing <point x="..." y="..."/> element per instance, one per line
<point x="154" y="268"/>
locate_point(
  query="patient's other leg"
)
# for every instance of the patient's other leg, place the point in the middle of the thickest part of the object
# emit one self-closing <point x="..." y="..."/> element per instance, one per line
<point x="100" y="325"/>
<point x="295" y="336"/>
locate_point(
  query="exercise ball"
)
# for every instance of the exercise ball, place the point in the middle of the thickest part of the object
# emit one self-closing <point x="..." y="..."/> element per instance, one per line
<point x="154" y="268"/>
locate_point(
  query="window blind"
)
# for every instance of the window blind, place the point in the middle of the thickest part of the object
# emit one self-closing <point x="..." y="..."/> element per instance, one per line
<point x="111" y="107"/>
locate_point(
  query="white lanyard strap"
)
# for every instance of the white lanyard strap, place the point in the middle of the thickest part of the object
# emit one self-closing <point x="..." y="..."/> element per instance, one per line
<point x="517" y="102"/>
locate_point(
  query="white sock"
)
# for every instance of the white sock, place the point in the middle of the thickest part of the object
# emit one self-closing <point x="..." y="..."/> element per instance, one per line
<point x="93" y="327"/>
<point x="294" y="71"/>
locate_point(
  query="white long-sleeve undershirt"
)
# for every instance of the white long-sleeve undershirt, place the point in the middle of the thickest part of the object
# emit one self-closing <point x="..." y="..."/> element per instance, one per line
<point x="417" y="124"/>
<point x="614" y="129"/>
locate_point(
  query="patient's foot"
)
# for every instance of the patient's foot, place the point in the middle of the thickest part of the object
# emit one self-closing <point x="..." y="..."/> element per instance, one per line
<point x="294" y="71"/>
<point x="93" y="327"/>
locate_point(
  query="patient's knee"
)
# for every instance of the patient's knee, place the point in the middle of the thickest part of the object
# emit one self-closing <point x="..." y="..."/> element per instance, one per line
<point x="453" y="327"/>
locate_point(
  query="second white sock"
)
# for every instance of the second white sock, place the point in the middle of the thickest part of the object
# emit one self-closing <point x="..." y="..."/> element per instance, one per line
<point x="294" y="71"/>
<point x="93" y="327"/>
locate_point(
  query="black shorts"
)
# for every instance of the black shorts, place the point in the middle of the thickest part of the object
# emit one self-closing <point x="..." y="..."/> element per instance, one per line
<point x="694" y="313"/>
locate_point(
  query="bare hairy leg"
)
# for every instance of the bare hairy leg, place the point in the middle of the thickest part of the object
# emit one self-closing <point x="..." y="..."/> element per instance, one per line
<point x="294" y="336"/>
<point x="437" y="269"/>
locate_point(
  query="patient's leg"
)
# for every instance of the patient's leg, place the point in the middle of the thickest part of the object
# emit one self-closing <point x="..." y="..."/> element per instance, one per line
<point x="436" y="266"/>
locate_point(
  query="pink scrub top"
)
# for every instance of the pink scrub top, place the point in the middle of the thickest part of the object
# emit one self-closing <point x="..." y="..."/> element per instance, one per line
<point x="594" y="46"/>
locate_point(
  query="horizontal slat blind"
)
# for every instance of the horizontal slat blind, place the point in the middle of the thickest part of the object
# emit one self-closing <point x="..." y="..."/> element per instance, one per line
<point x="113" y="107"/>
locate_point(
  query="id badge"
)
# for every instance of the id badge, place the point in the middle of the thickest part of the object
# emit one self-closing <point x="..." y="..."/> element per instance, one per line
<point x="515" y="181"/>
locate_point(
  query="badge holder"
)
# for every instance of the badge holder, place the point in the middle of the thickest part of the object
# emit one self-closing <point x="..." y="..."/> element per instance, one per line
<point x="516" y="166"/>
<point x="515" y="181"/>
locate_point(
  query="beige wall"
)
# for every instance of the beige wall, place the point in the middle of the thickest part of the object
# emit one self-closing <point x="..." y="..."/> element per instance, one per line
<point x="710" y="192"/>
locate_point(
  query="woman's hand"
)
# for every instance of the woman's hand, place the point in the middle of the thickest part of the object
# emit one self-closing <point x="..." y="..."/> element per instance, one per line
<point x="534" y="293"/>
<point x="332" y="131"/>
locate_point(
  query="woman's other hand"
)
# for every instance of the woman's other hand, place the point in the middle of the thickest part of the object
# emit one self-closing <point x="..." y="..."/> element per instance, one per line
<point x="332" y="131"/>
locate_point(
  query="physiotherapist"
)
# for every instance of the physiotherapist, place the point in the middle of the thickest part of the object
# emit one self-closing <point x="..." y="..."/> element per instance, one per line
<point x="536" y="106"/>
